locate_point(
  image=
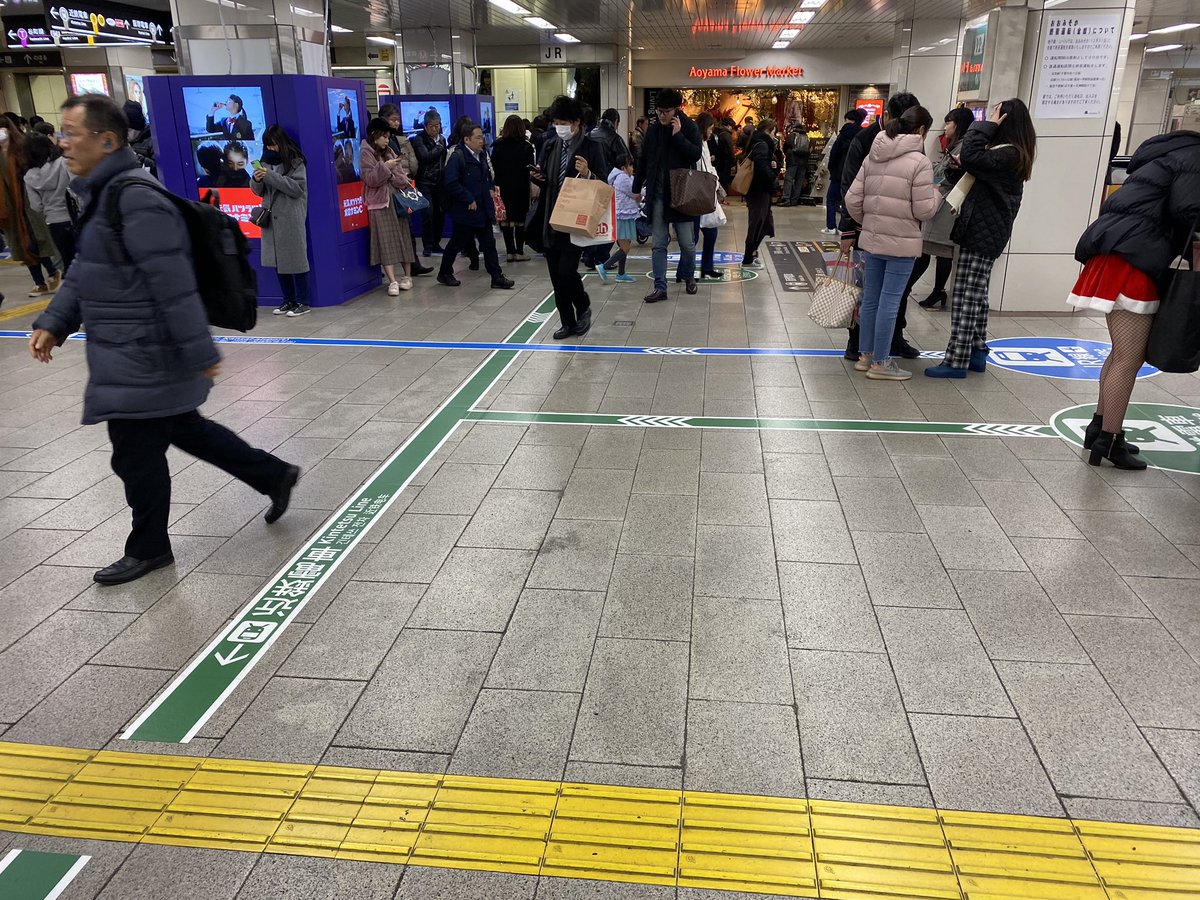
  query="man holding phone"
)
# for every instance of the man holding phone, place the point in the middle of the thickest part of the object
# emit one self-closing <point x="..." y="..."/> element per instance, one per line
<point x="672" y="142"/>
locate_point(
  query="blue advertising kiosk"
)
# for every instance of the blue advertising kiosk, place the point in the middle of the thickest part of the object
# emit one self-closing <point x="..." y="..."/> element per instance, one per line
<point x="208" y="135"/>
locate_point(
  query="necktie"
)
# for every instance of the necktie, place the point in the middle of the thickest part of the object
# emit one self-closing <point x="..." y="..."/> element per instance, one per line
<point x="562" y="162"/>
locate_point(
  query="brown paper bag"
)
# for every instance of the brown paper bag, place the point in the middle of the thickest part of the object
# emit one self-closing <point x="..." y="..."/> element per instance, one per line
<point x="580" y="206"/>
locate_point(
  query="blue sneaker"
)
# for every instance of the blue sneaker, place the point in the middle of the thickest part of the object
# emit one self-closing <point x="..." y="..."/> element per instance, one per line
<point x="979" y="360"/>
<point x="602" y="272"/>
<point x="625" y="279"/>
<point x="941" y="370"/>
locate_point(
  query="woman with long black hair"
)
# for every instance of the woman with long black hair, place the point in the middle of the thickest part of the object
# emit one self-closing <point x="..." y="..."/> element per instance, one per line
<point x="999" y="155"/>
<point x="282" y="181"/>
<point x="512" y="160"/>
<point x="760" y="224"/>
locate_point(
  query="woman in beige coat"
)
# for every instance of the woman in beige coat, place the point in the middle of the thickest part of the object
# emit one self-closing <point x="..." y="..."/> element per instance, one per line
<point x="892" y="195"/>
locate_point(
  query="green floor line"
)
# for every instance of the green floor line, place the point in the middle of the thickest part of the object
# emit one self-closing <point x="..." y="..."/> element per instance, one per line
<point x="181" y="710"/>
<point x="32" y="875"/>
<point x="863" y="426"/>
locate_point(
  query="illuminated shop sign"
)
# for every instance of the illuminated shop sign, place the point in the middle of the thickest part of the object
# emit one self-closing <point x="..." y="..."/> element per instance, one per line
<point x="747" y="72"/>
<point x="27" y="31"/>
<point x="97" y="24"/>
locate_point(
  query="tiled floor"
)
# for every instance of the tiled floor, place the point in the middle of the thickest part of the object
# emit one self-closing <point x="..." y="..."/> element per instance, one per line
<point x="968" y="622"/>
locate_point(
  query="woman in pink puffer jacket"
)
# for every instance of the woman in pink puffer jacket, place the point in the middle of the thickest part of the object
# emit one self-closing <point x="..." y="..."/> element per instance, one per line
<point x="892" y="195"/>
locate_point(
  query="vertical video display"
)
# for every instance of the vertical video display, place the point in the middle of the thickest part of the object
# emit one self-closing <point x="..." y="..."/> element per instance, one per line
<point x="225" y="125"/>
<point x="343" y="109"/>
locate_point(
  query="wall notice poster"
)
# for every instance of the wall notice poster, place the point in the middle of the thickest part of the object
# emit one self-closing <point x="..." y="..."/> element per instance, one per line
<point x="970" y="67"/>
<point x="226" y="125"/>
<point x="89" y="83"/>
<point x="343" y="110"/>
<point x="1079" y="57"/>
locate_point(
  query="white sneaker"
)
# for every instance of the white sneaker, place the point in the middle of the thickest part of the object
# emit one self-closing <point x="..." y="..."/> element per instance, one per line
<point x="394" y="289"/>
<point x="405" y="284"/>
<point x="829" y="231"/>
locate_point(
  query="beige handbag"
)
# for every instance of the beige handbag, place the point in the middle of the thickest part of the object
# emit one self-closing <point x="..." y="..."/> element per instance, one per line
<point x="836" y="297"/>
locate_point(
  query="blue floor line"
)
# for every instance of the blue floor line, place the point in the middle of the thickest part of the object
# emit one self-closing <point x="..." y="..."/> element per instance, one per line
<point x="479" y="345"/>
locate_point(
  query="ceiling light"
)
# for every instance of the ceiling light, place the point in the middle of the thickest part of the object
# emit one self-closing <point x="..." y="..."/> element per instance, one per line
<point x="1163" y="48"/>
<point x="780" y="45"/>
<point x="374" y="39"/>
<point x="1138" y="37"/>
<point x="567" y="38"/>
<point x="802" y="18"/>
<point x="338" y="29"/>
<point x="1171" y="29"/>
<point x="509" y="7"/>
<point x="789" y="34"/>
<point x="812" y="4"/>
<point x="539" y="22"/>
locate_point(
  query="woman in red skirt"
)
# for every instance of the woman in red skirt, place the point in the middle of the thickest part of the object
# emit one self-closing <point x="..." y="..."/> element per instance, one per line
<point x="1126" y="253"/>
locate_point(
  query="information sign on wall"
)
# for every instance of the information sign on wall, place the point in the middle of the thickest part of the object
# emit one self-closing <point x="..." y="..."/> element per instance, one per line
<point x="1079" y="57"/>
<point x="970" y="67"/>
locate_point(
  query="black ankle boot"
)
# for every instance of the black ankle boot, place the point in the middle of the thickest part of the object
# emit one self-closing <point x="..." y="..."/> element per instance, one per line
<point x="1113" y="448"/>
<point x="935" y="299"/>
<point x="1093" y="431"/>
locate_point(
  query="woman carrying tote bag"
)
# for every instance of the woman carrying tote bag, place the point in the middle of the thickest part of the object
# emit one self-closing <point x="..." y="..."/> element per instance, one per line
<point x="1127" y="254"/>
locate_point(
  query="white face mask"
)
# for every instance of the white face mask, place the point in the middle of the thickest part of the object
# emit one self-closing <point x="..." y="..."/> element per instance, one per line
<point x="3" y="135"/>
<point x="564" y="131"/>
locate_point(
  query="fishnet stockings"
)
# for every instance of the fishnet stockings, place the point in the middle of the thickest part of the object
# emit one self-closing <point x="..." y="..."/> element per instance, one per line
<point x="1129" y="332"/>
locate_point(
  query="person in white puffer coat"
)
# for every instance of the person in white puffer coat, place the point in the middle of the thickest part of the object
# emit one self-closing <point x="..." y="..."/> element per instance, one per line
<point x="891" y="196"/>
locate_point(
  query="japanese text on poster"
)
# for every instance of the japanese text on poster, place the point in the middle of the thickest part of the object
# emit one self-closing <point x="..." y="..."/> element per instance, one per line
<point x="1079" y="56"/>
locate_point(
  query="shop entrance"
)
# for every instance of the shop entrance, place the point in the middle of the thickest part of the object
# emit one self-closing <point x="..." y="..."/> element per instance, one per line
<point x="527" y="90"/>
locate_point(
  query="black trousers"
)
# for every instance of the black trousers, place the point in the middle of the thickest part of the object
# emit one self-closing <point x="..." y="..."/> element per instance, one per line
<point x="433" y="221"/>
<point x="64" y="239"/>
<point x="464" y="239"/>
<point x="139" y="457"/>
<point x="562" y="259"/>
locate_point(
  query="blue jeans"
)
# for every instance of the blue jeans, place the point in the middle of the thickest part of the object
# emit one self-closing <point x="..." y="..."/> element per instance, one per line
<point x="685" y="234"/>
<point x="833" y="200"/>
<point x="295" y="288"/>
<point x="884" y="280"/>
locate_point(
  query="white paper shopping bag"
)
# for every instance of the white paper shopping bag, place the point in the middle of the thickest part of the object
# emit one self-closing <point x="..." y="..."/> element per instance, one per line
<point x="606" y="229"/>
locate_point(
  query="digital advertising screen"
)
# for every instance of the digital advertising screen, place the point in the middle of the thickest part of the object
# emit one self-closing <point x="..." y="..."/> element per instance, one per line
<point x="225" y="126"/>
<point x="412" y="114"/>
<point x="89" y="83"/>
<point x="487" y="121"/>
<point x="874" y="110"/>
<point x="135" y="90"/>
<point x="343" y="106"/>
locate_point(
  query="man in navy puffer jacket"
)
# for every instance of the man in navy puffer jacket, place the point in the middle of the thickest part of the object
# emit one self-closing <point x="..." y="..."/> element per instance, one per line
<point x="151" y="359"/>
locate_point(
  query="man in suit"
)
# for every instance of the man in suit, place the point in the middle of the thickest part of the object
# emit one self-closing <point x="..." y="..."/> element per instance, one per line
<point x="235" y="123"/>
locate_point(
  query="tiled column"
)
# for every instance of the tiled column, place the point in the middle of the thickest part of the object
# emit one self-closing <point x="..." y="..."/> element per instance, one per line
<point x="251" y="37"/>
<point x="925" y="62"/>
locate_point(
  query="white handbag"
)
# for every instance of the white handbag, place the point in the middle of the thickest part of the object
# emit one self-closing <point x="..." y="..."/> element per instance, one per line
<point x="716" y="218"/>
<point x="836" y="297"/>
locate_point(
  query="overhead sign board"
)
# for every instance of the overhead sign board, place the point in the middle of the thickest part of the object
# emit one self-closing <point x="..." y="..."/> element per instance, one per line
<point x="31" y="59"/>
<point x="97" y="24"/>
<point x="24" y="32"/>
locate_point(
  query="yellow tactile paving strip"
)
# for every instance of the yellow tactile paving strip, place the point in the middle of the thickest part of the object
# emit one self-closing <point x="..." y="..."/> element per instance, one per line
<point x="802" y="848"/>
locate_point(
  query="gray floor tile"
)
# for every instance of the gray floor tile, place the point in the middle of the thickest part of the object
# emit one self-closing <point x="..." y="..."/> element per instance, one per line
<point x="1132" y="545"/>
<point x="255" y="550"/>
<point x="861" y="455"/>
<point x="292" y="720"/>
<point x="33" y="597"/>
<point x="812" y="531"/>
<point x="1172" y="815"/>
<point x="586" y="889"/>
<point x="1178" y="751"/>
<point x="1085" y="739"/>
<point x="414" y="550"/>
<point x="904" y="570"/>
<point x="511" y="520"/>
<point x="576" y="555"/>
<point x="1015" y="619"/>
<point x="390" y="760"/>
<point x="739" y="651"/>
<point x="668" y="472"/>
<point x="826" y="607"/>
<point x="986" y="459"/>
<point x="940" y="663"/>
<point x="968" y="537"/>
<point x="852" y="722"/>
<point x="736" y="561"/>
<point x="1078" y="579"/>
<point x="597" y="494"/>
<point x="728" y="498"/>
<point x="611" y="448"/>
<point x="314" y="878"/>
<point x="662" y="777"/>
<point x="548" y="643"/>
<point x="634" y="704"/>
<point x="182" y="873"/>
<point x="934" y="481"/>
<point x="456" y="490"/>
<point x="1073" y="486"/>
<point x="517" y="734"/>
<point x="984" y="765"/>
<point x="434" y="677"/>
<point x="476" y="590"/>
<point x="1155" y="679"/>
<point x="731" y="451"/>
<point x="720" y="758"/>
<point x="649" y="597"/>
<point x="798" y="476"/>
<point x="1025" y="510"/>
<point x="870" y="792"/>
<point x="1174" y="512"/>
<point x="355" y="632"/>
<point x="660" y="525"/>
<point x="538" y="468"/>
<point x="488" y="444"/>
<point x="1173" y="601"/>
<point x="421" y="883"/>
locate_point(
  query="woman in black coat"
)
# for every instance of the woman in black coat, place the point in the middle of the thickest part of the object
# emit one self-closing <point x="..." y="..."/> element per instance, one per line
<point x="760" y="223"/>
<point x="1127" y="253"/>
<point x="512" y="160"/>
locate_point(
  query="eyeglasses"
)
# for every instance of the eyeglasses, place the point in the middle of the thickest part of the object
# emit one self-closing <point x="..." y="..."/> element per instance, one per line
<point x="666" y="113"/>
<point x="66" y="137"/>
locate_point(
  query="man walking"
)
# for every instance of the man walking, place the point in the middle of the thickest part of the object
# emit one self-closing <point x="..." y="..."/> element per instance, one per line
<point x="430" y="145"/>
<point x="672" y="142"/>
<point x="797" y="155"/>
<point x="468" y="182"/>
<point x="151" y="359"/>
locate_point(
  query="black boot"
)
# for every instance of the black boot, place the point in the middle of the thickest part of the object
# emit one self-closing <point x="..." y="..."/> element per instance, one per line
<point x="1113" y="448"/>
<point x="1093" y="431"/>
<point x="935" y="299"/>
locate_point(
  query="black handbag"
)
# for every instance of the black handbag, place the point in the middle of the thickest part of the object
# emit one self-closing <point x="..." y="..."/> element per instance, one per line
<point x="261" y="215"/>
<point x="1174" y="344"/>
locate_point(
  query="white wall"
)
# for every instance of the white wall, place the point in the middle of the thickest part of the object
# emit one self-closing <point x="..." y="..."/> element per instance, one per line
<point x="867" y="65"/>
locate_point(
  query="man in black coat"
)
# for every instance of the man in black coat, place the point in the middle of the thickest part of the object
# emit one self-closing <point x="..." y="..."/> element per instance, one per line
<point x="672" y="142"/>
<point x="860" y="147"/>
<point x="468" y="184"/>
<point x="430" y="145"/>
<point x="723" y="157"/>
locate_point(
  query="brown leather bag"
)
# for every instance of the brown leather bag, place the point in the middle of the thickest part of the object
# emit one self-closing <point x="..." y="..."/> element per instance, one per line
<point x="693" y="192"/>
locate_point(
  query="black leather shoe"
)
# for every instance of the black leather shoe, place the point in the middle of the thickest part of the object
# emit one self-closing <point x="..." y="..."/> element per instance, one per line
<point x="902" y="348"/>
<point x="563" y="333"/>
<point x="418" y="269"/>
<point x="474" y="267"/>
<point x="128" y="568"/>
<point x="692" y="287"/>
<point x="436" y="248"/>
<point x="851" y="355"/>
<point x="502" y="283"/>
<point x="448" y="280"/>
<point x="585" y="324"/>
<point x="655" y="297"/>
<point x="282" y="496"/>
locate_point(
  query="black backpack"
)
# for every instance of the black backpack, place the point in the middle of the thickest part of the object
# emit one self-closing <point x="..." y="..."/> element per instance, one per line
<point x="226" y="281"/>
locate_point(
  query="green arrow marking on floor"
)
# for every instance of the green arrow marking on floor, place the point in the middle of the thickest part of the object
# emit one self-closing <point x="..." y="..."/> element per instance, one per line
<point x="31" y="875"/>
<point x="863" y="426"/>
<point x="178" y="713"/>
<point x="1167" y="435"/>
